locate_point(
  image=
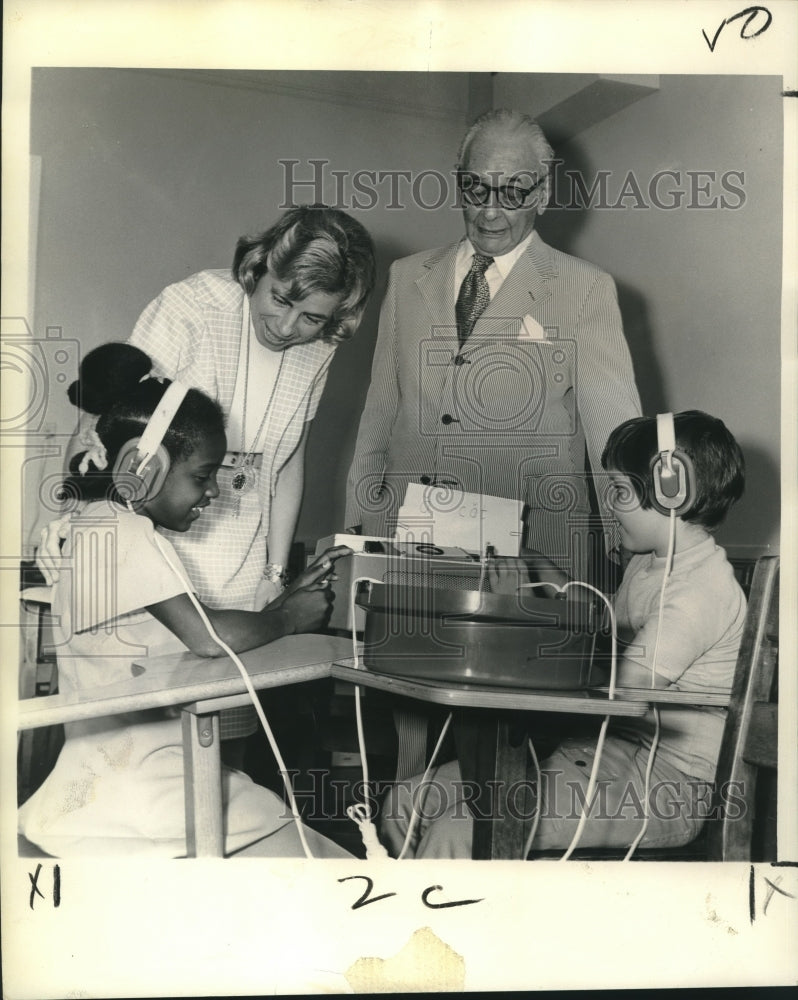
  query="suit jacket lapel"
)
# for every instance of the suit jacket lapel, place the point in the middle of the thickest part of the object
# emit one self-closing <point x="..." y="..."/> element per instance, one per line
<point x="436" y="286"/>
<point x="522" y="291"/>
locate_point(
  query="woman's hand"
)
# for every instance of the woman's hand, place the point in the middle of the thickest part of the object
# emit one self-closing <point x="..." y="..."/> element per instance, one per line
<point x="266" y="592"/>
<point x="48" y="554"/>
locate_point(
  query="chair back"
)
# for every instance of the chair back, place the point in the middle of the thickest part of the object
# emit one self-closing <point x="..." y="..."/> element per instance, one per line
<point x="750" y="736"/>
<point x="37" y="749"/>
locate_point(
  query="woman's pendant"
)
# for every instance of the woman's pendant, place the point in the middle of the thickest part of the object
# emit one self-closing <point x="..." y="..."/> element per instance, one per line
<point x="245" y="478"/>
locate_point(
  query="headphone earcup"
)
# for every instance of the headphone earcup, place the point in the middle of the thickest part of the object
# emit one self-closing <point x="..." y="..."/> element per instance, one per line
<point x="135" y="487"/>
<point x="674" y="491"/>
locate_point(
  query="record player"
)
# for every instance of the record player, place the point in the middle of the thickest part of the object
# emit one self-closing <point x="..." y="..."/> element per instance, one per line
<point x="424" y="613"/>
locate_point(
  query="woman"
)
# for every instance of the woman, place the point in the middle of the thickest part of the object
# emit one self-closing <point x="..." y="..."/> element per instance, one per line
<point x="260" y="340"/>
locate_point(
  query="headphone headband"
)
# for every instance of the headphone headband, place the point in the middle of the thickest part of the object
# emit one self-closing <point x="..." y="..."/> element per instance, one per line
<point x="666" y="433"/>
<point x="672" y="470"/>
<point x="160" y="422"/>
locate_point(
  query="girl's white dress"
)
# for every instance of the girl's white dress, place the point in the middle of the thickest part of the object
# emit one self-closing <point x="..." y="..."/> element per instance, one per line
<point x="117" y="787"/>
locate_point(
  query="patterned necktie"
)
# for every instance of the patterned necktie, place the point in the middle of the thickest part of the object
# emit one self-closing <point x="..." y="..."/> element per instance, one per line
<point x="473" y="298"/>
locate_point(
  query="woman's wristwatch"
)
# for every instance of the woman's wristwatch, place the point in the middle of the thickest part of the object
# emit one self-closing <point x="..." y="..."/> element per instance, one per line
<point x="275" y="573"/>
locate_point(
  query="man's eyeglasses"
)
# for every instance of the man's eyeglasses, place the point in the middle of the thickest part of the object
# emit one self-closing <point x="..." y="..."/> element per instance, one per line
<point x="511" y="196"/>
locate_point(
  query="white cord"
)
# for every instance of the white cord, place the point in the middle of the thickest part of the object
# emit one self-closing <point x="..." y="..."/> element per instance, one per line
<point x="665" y="575"/>
<point x="536" y="820"/>
<point x="250" y="690"/>
<point x="415" y="811"/>
<point x="360" y="813"/>
<point x="483" y="566"/>
<point x="595" y="590"/>
<point x="655" y="741"/>
<point x="591" y="785"/>
<point x="649" y="765"/>
<point x="352" y="611"/>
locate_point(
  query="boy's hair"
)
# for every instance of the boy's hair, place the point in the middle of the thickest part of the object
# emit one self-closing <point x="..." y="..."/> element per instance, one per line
<point x="114" y="384"/>
<point x="717" y="460"/>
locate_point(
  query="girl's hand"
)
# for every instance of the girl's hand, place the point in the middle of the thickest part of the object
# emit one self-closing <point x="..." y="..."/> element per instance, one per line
<point x="306" y="609"/>
<point x="307" y="601"/>
<point x="506" y="574"/>
<point x="322" y="568"/>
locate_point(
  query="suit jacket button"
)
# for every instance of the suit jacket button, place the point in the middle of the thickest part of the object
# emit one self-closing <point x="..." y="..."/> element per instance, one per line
<point x="447" y="419"/>
<point x="425" y="480"/>
<point x="459" y="360"/>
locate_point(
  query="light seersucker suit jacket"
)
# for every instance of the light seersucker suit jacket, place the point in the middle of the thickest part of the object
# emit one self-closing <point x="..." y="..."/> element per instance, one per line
<point x="545" y="373"/>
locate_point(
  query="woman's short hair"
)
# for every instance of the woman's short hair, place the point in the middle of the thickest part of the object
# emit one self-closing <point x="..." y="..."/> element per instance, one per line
<point x="717" y="461"/>
<point x="313" y="249"/>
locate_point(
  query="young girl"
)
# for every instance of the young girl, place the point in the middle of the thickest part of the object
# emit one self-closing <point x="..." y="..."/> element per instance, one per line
<point x="117" y="787"/>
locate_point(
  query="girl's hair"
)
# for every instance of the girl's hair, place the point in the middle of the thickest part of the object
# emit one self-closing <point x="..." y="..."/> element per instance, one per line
<point x="313" y="249"/>
<point x="717" y="460"/>
<point x="113" y="384"/>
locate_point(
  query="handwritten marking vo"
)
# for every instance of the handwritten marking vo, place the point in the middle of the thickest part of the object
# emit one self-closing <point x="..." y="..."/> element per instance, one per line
<point x="751" y="13"/>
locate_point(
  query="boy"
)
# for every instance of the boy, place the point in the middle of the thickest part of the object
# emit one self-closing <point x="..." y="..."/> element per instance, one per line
<point x="686" y="639"/>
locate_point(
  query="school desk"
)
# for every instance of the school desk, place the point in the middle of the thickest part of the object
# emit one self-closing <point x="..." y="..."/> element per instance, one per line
<point x="492" y="746"/>
<point x="202" y="687"/>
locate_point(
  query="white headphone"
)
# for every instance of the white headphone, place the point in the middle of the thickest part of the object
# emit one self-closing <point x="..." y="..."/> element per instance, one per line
<point x="142" y="464"/>
<point x="672" y="470"/>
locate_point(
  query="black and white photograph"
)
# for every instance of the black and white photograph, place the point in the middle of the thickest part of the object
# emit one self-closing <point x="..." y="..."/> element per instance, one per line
<point x="399" y="448"/>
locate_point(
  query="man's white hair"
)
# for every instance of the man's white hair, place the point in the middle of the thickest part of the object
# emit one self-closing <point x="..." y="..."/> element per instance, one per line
<point x="511" y="121"/>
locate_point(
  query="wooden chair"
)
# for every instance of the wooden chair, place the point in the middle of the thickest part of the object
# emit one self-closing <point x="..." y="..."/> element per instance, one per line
<point x="37" y="750"/>
<point x="750" y="737"/>
<point x="748" y="750"/>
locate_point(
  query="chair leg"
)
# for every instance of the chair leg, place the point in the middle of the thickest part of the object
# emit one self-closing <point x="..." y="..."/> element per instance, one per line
<point x="203" y="785"/>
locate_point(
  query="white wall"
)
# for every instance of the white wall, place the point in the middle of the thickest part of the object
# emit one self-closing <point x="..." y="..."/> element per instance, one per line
<point x="699" y="287"/>
<point x="148" y="176"/>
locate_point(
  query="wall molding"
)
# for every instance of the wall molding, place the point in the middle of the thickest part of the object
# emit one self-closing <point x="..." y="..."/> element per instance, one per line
<point x="275" y="82"/>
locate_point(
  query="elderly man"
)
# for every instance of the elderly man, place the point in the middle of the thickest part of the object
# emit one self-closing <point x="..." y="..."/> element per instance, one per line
<point x="499" y="360"/>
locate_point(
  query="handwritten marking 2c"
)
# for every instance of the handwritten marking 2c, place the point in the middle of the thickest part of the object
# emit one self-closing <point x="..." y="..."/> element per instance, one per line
<point x="440" y="906"/>
<point x="749" y="13"/>
<point x="364" y="899"/>
<point x="367" y="898"/>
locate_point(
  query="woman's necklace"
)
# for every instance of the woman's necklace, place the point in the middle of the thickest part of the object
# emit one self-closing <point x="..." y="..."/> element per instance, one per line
<point x="245" y="476"/>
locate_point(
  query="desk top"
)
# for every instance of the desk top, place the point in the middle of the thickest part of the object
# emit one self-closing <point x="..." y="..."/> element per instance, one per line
<point x="204" y="684"/>
<point x="182" y="679"/>
<point x="575" y="702"/>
